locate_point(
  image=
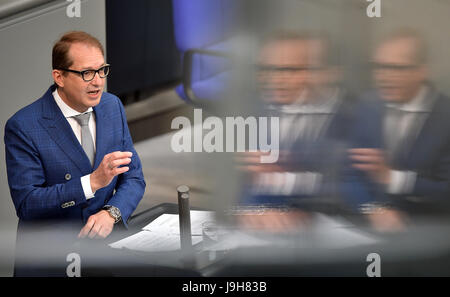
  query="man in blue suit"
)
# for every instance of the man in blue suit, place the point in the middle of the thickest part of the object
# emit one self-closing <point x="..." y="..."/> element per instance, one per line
<point x="69" y="155"/>
<point x="300" y="83"/>
<point x="414" y="167"/>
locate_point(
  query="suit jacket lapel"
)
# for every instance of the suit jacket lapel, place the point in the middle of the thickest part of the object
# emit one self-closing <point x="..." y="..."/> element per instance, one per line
<point x="62" y="134"/>
<point x="102" y="126"/>
<point x="426" y="138"/>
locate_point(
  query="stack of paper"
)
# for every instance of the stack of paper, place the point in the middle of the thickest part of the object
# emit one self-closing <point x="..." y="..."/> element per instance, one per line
<point x="163" y="234"/>
<point x="169" y="223"/>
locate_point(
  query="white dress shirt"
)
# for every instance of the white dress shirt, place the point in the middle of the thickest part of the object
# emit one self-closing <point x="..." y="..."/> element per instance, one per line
<point x="306" y="120"/>
<point x="409" y="125"/>
<point x="69" y="113"/>
<point x="299" y="121"/>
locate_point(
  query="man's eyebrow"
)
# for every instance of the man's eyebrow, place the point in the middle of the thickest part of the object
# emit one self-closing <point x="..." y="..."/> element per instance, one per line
<point x="93" y="68"/>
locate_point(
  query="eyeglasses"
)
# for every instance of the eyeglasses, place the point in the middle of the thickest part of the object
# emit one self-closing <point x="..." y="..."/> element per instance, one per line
<point x="89" y="74"/>
<point x="393" y="67"/>
<point x="270" y="68"/>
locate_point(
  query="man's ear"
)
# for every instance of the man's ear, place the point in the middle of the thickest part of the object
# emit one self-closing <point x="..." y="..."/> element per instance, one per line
<point x="425" y="72"/>
<point x="58" y="77"/>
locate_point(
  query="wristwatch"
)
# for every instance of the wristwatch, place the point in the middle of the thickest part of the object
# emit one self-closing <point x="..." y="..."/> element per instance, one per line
<point x="114" y="212"/>
<point x="371" y="208"/>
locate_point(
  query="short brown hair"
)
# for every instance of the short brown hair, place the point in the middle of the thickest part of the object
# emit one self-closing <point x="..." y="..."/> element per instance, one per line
<point x="332" y="53"/>
<point x="420" y="46"/>
<point x="60" y="52"/>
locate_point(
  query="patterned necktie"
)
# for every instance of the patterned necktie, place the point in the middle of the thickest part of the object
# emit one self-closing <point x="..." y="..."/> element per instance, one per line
<point x="86" y="137"/>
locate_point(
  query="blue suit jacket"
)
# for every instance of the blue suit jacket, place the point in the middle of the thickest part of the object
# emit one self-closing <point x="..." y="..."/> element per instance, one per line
<point x="45" y="162"/>
<point x="347" y="187"/>
<point x="428" y="155"/>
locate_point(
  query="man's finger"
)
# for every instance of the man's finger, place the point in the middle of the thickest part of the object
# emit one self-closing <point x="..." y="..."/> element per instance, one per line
<point x="119" y="162"/>
<point x="85" y="230"/>
<point x="365" y="151"/>
<point x="366" y="167"/>
<point x="248" y="159"/>
<point x="118" y="155"/>
<point x="117" y="171"/>
<point x="95" y="230"/>
<point x="104" y="232"/>
<point x="367" y="159"/>
<point x="253" y="168"/>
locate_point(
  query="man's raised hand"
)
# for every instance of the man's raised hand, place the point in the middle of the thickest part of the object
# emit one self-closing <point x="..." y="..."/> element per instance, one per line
<point x="109" y="168"/>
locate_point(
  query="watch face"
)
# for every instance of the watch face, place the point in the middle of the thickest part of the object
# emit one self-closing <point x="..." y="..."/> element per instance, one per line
<point x="114" y="212"/>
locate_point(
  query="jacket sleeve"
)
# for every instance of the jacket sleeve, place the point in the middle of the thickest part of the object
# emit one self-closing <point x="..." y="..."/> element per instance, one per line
<point x="130" y="186"/>
<point x="31" y="195"/>
<point x="434" y="184"/>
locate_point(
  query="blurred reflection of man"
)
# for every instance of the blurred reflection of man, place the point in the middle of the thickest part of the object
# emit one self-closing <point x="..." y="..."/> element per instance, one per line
<point x="414" y="169"/>
<point x="299" y="82"/>
<point x="299" y="85"/>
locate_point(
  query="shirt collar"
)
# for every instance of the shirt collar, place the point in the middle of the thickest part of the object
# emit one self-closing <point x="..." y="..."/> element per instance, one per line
<point x="418" y="104"/>
<point x="66" y="109"/>
<point x="322" y="105"/>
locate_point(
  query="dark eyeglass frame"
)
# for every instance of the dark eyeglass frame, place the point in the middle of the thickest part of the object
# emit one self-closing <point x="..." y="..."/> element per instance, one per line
<point x="82" y="73"/>
<point x="383" y="67"/>
<point x="266" y="68"/>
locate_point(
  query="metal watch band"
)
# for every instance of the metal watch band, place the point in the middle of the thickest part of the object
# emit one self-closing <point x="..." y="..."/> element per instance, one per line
<point x="114" y="212"/>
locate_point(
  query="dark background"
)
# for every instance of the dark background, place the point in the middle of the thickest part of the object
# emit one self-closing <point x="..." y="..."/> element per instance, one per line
<point x="141" y="48"/>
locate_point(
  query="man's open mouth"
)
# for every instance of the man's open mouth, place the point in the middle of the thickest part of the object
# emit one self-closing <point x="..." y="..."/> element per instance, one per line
<point x="94" y="92"/>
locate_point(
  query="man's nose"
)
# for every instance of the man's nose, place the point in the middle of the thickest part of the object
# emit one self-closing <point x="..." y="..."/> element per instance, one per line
<point x="276" y="79"/>
<point x="97" y="80"/>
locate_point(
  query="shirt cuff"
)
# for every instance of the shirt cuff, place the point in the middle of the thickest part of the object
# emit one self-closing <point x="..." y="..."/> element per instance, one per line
<point x="402" y="182"/>
<point x="86" y="184"/>
<point x="288" y="183"/>
<point x="307" y="183"/>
